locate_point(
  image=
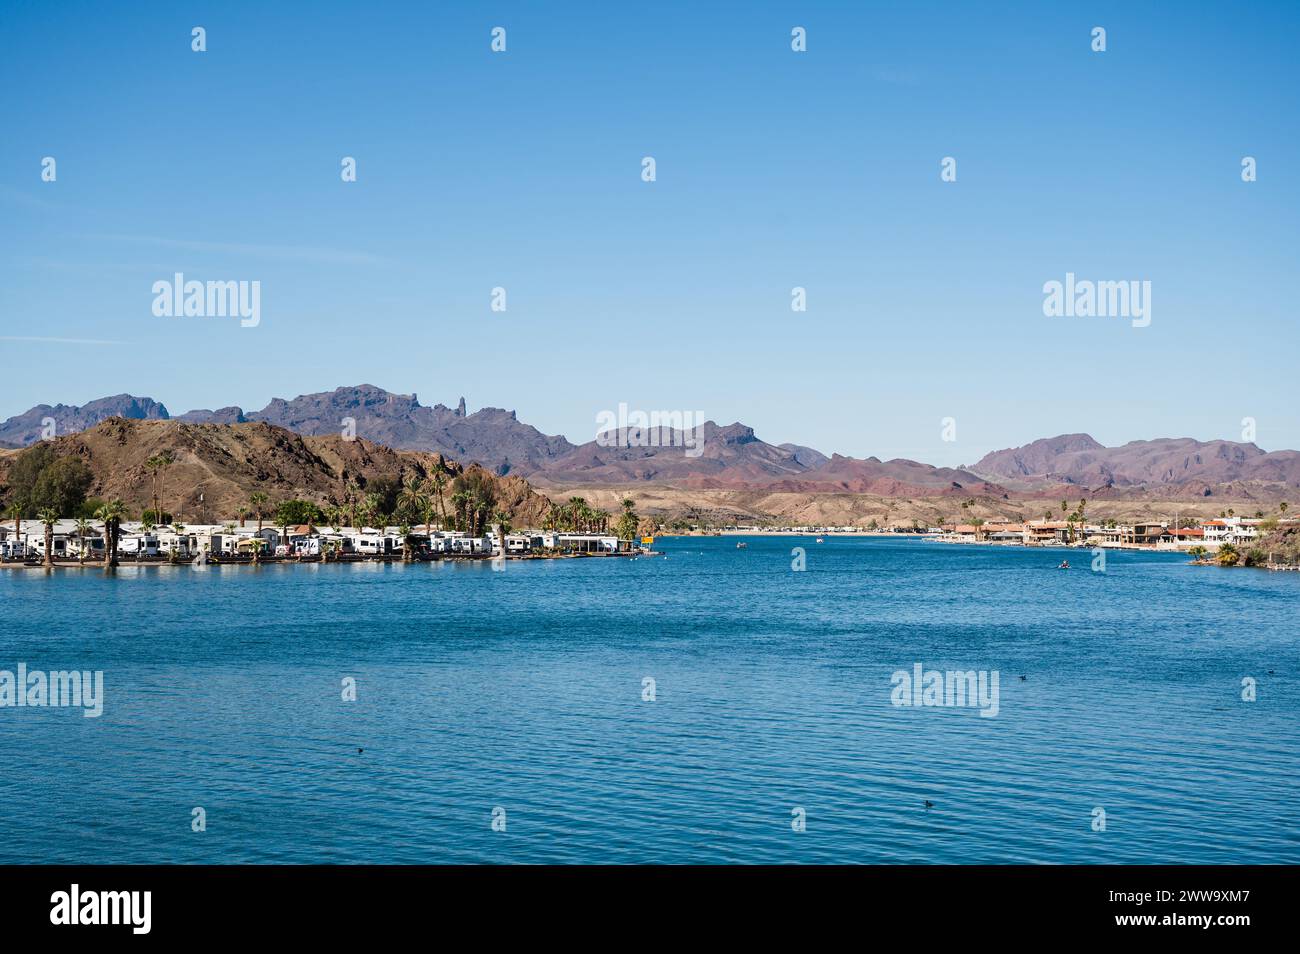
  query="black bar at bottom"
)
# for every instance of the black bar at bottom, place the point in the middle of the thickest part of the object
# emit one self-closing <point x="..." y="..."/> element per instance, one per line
<point x="330" y="903"/>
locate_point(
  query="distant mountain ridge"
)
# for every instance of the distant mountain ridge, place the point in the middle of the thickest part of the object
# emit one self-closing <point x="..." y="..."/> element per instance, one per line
<point x="492" y="436"/>
<point x="731" y="456"/>
<point x="1182" y="463"/>
<point x="30" y="426"/>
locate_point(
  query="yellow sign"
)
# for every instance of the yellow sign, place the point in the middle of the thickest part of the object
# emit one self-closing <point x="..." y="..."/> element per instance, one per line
<point x="647" y="540"/>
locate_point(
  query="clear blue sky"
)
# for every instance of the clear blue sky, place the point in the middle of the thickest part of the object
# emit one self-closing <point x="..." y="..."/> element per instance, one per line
<point x="775" y="169"/>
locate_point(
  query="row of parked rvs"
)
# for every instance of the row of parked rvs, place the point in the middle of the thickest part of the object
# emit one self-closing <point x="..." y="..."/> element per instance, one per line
<point x="193" y="541"/>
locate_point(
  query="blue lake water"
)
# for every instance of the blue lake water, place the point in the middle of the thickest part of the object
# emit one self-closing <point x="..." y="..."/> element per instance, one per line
<point x="523" y="690"/>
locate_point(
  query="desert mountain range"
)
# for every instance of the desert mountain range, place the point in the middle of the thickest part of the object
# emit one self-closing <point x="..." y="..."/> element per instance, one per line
<point x="733" y="459"/>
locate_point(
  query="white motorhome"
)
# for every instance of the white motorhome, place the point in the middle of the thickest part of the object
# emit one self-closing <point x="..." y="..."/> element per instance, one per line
<point x="139" y="544"/>
<point x="307" y="546"/>
<point x="13" y="550"/>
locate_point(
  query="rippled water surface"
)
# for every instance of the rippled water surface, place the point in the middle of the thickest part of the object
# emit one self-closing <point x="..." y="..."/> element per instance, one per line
<point x="522" y="689"/>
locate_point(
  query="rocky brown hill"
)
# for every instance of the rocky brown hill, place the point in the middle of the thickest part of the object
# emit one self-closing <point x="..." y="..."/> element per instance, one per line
<point x="226" y="463"/>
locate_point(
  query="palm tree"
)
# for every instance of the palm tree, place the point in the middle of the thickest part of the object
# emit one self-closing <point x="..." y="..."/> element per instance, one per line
<point x="49" y="517"/>
<point x="111" y="514"/>
<point x="1282" y="506"/>
<point x="15" y="512"/>
<point x="1228" y="555"/>
<point x="413" y="499"/>
<point x="351" y="493"/>
<point x="576" y="506"/>
<point x="627" y="523"/>
<point x="471" y="511"/>
<point x="243" y="513"/>
<point x="430" y="511"/>
<point x="84" y="530"/>
<point x="257" y="500"/>
<point x="374" y="506"/>
<point x="404" y="531"/>
<point x="157" y="465"/>
<point x="503" y="527"/>
<point x="459" y="501"/>
<point x="439" y="482"/>
<point x="282" y="522"/>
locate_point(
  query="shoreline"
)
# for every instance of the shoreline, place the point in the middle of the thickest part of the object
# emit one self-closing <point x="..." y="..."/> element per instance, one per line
<point x="351" y="558"/>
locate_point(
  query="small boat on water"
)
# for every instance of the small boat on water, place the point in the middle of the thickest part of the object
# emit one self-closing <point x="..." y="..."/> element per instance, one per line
<point x="1064" y="565"/>
<point x="820" y="540"/>
<point x="741" y="546"/>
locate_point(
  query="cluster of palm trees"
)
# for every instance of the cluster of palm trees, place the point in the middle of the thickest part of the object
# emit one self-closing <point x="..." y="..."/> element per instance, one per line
<point x="466" y="503"/>
<point x="474" y="501"/>
<point x="577" y="517"/>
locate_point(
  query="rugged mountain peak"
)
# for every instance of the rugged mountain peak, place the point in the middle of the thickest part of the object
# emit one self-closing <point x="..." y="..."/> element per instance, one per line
<point x="736" y="433"/>
<point x="809" y="457"/>
<point x="224" y="415"/>
<point x="31" y="425"/>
